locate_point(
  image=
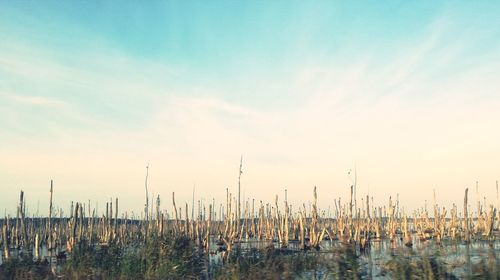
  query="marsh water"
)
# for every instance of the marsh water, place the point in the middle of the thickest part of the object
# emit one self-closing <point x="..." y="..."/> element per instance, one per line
<point x="459" y="257"/>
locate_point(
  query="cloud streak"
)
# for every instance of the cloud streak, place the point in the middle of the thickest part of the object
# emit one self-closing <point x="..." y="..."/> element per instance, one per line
<point x="410" y="120"/>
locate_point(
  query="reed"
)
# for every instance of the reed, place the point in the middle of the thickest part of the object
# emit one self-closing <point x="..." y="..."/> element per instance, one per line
<point x="275" y="224"/>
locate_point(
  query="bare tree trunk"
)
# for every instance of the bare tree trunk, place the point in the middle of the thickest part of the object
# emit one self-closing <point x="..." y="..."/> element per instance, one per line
<point x="466" y="217"/>
<point x="50" y="214"/>
<point x="146" y="207"/>
<point x="6" y="253"/>
<point x="239" y="194"/>
<point x="23" y="225"/>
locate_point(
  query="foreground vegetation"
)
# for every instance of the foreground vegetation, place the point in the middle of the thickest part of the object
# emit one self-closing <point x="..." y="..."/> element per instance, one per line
<point x="170" y="257"/>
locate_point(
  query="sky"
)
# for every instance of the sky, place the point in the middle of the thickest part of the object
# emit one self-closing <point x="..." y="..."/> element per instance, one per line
<point x="406" y="92"/>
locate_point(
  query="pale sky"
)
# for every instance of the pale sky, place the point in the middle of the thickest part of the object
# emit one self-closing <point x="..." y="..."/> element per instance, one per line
<point x="93" y="91"/>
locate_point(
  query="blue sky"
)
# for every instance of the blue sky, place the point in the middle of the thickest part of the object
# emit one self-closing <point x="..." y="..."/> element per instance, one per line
<point x="91" y="91"/>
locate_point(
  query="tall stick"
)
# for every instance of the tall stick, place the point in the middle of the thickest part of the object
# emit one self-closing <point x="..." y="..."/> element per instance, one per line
<point x="192" y="204"/>
<point x="6" y="253"/>
<point x="355" y="188"/>
<point x="116" y="216"/>
<point x="175" y="210"/>
<point x="498" y="201"/>
<point x="350" y="204"/>
<point x="368" y="207"/>
<point x="478" y="201"/>
<point x="239" y="191"/>
<point x="50" y="214"/>
<point x="466" y="217"/>
<point x="23" y="225"/>
<point x="146" y="207"/>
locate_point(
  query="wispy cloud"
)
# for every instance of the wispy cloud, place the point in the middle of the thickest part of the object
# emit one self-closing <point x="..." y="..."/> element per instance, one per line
<point x="35" y="100"/>
<point x="95" y="116"/>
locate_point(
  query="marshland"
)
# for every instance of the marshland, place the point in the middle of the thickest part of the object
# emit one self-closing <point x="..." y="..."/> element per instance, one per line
<point x="253" y="239"/>
<point x="406" y="92"/>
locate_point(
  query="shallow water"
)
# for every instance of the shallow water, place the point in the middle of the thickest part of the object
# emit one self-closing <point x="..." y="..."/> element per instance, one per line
<point x="458" y="256"/>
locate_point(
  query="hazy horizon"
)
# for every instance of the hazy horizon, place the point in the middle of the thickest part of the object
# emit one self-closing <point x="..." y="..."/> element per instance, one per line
<point x="92" y="92"/>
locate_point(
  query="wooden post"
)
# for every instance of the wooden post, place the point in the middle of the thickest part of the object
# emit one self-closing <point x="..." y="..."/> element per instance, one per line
<point x="37" y="246"/>
<point x="186" y="228"/>
<point x="466" y="217"/>
<point x="23" y="225"/>
<point x="238" y="215"/>
<point x="175" y="209"/>
<point x="286" y="235"/>
<point x="493" y="213"/>
<point x="368" y="207"/>
<point x="498" y="204"/>
<point x="192" y="204"/>
<point x="477" y="200"/>
<point x="302" y="230"/>
<point x="116" y="216"/>
<point x="350" y="204"/>
<point x="146" y="206"/>
<point x="50" y="215"/>
<point x="355" y="189"/>
<point x="73" y="226"/>
<point x="208" y="229"/>
<point x="6" y="253"/>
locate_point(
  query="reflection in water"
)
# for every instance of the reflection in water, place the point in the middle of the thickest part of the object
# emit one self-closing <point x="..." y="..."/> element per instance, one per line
<point x="461" y="259"/>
